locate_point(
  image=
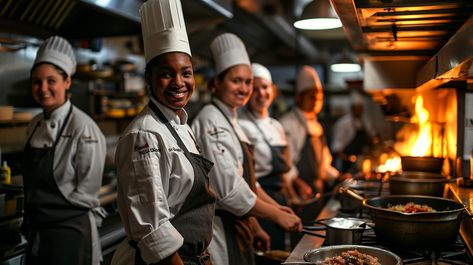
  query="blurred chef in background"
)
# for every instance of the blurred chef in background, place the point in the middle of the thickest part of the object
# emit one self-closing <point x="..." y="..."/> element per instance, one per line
<point x="312" y="170"/>
<point x="63" y="165"/>
<point x="224" y="142"/>
<point x="269" y="140"/>
<point x="353" y="134"/>
<point x="164" y="197"/>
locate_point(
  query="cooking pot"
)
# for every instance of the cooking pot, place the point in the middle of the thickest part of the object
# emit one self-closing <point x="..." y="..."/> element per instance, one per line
<point x="421" y="230"/>
<point x="417" y="183"/>
<point x="316" y="256"/>
<point x="422" y="163"/>
<point x="339" y="231"/>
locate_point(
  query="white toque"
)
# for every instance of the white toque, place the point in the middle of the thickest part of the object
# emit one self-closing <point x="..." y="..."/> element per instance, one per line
<point x="163" y="27"/>
<point x="57" y="51"/>
<point x="228" y="50"/>
<point x="307" y="78"/>
<point x="261" y="71"/>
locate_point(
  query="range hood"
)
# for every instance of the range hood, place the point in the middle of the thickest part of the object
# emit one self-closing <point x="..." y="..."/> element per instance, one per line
<point x="409" y="43"/>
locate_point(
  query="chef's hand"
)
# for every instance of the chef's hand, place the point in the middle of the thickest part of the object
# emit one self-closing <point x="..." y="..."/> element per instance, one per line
<point x="289" y="222"/>
<point x="303" y="189"/>
<point x="261" y="239"/>
<point x="286" y="209"/>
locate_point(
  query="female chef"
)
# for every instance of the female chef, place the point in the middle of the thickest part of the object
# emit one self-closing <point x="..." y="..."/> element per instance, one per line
<point x="223" y="141"/>
<point x="164" y="198"/>
<point x="271" y="154"/>
<point x="63" y="165"/>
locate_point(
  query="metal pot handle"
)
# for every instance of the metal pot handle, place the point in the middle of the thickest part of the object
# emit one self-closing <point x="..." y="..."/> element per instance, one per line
<point x="319" y="225"/>
<point x="352" y="194"/>
<point x="307" y="232"/>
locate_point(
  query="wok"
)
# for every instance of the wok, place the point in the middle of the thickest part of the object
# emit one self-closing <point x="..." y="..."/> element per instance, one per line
<point x="385" y="257"/>
<point x="423" y="230"/>
<point x="417" y="183"/>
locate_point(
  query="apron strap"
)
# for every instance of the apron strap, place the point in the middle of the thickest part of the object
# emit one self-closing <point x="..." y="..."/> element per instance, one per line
<point x="253" y="119"/>
<point x="166" y="122"/>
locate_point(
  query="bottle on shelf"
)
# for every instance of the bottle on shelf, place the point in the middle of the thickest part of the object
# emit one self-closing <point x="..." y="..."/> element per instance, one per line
<point x="6" y="173"/>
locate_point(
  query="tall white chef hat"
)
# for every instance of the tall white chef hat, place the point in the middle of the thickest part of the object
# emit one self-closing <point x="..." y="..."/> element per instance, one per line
<point x="307" y="78"/>
<point x="261" y="71"/>
<point x="57" y="51"/>
<point x="163" y="27"/>
<point x="228" y="50"/>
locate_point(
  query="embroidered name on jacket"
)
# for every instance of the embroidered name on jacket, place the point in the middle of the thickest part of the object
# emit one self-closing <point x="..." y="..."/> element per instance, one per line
<point x="145" y="149"/>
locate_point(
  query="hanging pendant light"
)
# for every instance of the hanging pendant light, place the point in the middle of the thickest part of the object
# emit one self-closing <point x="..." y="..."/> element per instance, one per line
<point x="318" y="15"/>
<point x="344" y="63"/>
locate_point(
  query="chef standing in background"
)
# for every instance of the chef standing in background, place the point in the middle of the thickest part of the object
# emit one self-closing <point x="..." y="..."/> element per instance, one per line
<point x="224" y="142"/>
<point x="307" y="142"/>
<point x="63" y="165"/>
<point x="164" y="198"/>
<point x="272" y="159"/>
<point x="353" y="134"/>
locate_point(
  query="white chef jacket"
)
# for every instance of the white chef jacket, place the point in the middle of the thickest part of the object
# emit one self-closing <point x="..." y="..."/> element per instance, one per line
<point x="344" y="131"/>
<point x="220" y="145"/>
<point x="296" y="137"/>
<point x="154" y="179"/>
<point x="79" y="158"/>
<point x="269" y="130"/>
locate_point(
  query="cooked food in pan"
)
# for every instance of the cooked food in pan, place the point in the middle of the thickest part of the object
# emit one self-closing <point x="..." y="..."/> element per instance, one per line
<point x="411" y="207"/>
<point x="351" y="257"/>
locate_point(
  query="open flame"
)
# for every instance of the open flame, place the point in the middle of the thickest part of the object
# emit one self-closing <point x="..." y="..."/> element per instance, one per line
<point x="423" y="142"/>
<point x="416" y="143"/>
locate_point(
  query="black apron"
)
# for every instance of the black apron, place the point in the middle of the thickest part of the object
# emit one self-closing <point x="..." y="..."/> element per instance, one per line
<point x="272" y="184"/>
<point x="58" y="231"/>
<point x="238" y="235"/>
<point x="309" y="168"/>
<point x="194" y="219"/>
<point x="355" y="147"/>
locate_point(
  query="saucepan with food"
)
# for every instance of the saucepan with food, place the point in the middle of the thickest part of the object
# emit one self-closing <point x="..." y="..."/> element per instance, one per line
<point x="349" y="254"/>
<point x="420" y="222"/>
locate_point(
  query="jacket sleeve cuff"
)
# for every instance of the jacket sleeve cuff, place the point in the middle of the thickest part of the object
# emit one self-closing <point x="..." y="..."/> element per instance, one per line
<point x="160" y="243"/>
<point x="240" y="201"/>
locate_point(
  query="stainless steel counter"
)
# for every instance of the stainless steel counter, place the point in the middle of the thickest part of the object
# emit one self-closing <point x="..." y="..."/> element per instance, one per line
<point x="465" y="196"/>
<point x="310" y="242"/>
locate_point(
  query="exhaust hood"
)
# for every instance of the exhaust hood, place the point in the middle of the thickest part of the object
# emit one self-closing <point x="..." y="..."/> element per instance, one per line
<point x="409" y="43"/>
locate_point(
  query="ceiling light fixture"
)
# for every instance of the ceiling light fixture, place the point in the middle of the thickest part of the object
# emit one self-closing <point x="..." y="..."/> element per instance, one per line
<point x="318" y="15"/>
<point x="345" y="63"/>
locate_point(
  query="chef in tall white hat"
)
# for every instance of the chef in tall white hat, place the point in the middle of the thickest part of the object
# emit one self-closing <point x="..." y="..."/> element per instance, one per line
<point x="307" y="142"/>
<point x="63" y="165"/>
<point x="223" y="141"/>
<point x="164" y="197"/>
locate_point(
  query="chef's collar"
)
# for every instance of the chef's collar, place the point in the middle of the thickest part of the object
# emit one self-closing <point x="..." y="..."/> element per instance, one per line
<point x="58" y="113"/>
<point x="171" y="114"/>
<point x="226" y="109"/>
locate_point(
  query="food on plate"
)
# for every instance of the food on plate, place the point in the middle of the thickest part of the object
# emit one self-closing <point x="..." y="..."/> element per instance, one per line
<point x="351" y="257"/>
<point x="411" y="207"/>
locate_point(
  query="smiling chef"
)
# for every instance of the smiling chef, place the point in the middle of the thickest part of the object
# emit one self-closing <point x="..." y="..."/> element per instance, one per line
<point x="164" y="198"/>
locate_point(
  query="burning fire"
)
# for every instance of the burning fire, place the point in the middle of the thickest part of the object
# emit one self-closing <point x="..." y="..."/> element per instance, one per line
<point x="416" y="143"/>
<point x="419" y="141"/>
<point x="423" y="142"/>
